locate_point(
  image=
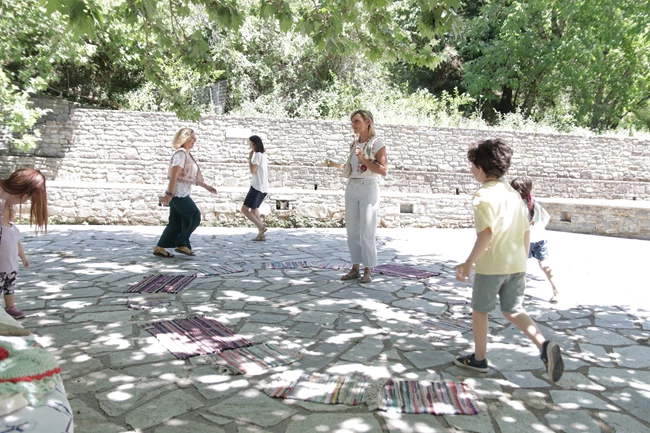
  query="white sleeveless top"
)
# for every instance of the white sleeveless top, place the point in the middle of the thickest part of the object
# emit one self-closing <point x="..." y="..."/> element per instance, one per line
<point x="370" y="149"/>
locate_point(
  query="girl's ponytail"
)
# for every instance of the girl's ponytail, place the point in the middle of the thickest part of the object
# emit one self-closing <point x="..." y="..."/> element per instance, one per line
<point x="524" y="186"/>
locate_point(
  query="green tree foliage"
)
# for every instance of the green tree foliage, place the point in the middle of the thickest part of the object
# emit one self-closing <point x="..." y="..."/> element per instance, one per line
<point x="586" y="60"/>
<point x="32" y="43"/>
<point x="577" y="63"/>
<point x="91" y="50"/>
<point x="271" y="69"/>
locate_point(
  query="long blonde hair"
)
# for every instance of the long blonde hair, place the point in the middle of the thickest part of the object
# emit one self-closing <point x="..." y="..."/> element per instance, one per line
<point x="366" y="115"/>
<point x="181" y="137"/>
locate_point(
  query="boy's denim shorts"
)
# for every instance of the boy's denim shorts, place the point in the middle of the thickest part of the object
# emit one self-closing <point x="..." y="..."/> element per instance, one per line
<point x="539" y="250"/>
<point x="509" y="288"/>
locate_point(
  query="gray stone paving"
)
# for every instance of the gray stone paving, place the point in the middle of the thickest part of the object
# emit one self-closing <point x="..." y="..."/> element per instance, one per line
<point x="120" y="379"/>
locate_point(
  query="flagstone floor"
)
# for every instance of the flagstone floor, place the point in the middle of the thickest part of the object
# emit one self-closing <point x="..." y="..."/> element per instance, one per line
<point x="120" y="379"/>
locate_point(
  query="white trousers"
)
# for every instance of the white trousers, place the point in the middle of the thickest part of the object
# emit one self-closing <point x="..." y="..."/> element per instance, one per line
<point x="361" y="209"/>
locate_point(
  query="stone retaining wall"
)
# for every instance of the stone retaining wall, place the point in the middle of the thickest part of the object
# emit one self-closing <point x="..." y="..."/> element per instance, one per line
<point x="136" y="204"/>
<point x="91" y="155"/>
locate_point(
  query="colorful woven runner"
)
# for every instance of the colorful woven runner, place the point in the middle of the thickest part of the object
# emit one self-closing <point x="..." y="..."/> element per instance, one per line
<point x="438" y="398"/>
<point x="156" y="300"/>
<point x="254" y="359"/>
<point x="338" y="266"/>
<point x="286" y="265"/>
<point x="405" y="272"/>
<point x="219" y="270"/>
<point x="321" y="388"/>
<point x="162" y="283"/>
<point x="195" y="336"/>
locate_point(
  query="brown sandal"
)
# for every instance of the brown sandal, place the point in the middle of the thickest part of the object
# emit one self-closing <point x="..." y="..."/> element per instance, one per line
<point x="352" y="275"/>
<point x="260" y="237"/>
<point x="161" y="252"/>
<point x="367" y="278"/>
<point x="184" y="250"/>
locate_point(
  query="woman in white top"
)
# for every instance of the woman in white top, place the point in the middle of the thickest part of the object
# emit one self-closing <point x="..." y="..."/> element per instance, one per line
<point x="367" y="162"/>
<point x="184" y="216"/>
<point x="258" y="166"/>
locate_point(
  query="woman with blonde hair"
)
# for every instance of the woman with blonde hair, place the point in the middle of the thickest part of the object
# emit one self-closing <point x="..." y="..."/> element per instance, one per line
<point x="184" y="215"/>
<point x="367" y="163"/>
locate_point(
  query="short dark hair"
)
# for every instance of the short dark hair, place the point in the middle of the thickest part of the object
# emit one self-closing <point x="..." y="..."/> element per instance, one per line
<point x="257" y="143"/>
<point x="491" y="155"/>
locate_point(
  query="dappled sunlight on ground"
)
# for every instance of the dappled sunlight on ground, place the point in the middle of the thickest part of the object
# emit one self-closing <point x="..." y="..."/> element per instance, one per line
<point x="76" y="296"/>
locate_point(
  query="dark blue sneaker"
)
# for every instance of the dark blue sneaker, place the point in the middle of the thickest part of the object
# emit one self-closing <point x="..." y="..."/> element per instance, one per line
<point x="552" y="357"/>
<point x="469" y="362"/>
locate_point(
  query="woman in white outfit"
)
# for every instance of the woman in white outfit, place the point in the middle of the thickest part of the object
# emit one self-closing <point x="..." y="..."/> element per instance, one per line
<point x="259" y="168"/>
<point x="367" y="162"/>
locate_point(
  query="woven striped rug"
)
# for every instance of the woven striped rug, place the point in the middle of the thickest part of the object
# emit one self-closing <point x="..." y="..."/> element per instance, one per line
<point x="337" y="266"/>
<point x="254" y="359"/>
<point x="195" y="336"/>
<point x="287" y="265"/>
<point x="219" y="270"/>
<point x="162" y="283"/>
<point x="405" y="272"/>
<point x="438" y="398"/>
<point x="321" y="388"/>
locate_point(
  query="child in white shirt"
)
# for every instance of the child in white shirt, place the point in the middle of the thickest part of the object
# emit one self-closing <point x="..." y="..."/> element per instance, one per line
<point x="539" y="219"/>
<point x="10" y="249"/>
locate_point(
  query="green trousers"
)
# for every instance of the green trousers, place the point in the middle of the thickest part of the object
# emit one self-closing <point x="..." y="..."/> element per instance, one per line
<point x="184" y="218"/>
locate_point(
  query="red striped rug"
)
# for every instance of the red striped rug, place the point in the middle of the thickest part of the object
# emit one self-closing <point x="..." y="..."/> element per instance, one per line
<point x="404" y="272"/>
<point x="438" y="398"/>
<point x="338" y="266"/>
<point x="195" y="336"/>
<point x="162" y="284"/>
<point x="320" y="388"/>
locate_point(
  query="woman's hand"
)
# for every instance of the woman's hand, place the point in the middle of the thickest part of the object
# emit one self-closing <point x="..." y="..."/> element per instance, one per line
<point x="250" y="154"/>
<point x="379" y="165"/>
<point x="207" y="187"/>
<point x="164" y="200"/>
<point x="359" y="152"/>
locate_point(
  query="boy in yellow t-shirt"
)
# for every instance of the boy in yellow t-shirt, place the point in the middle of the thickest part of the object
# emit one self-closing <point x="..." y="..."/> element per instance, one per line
<point x="500" y="254"/>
